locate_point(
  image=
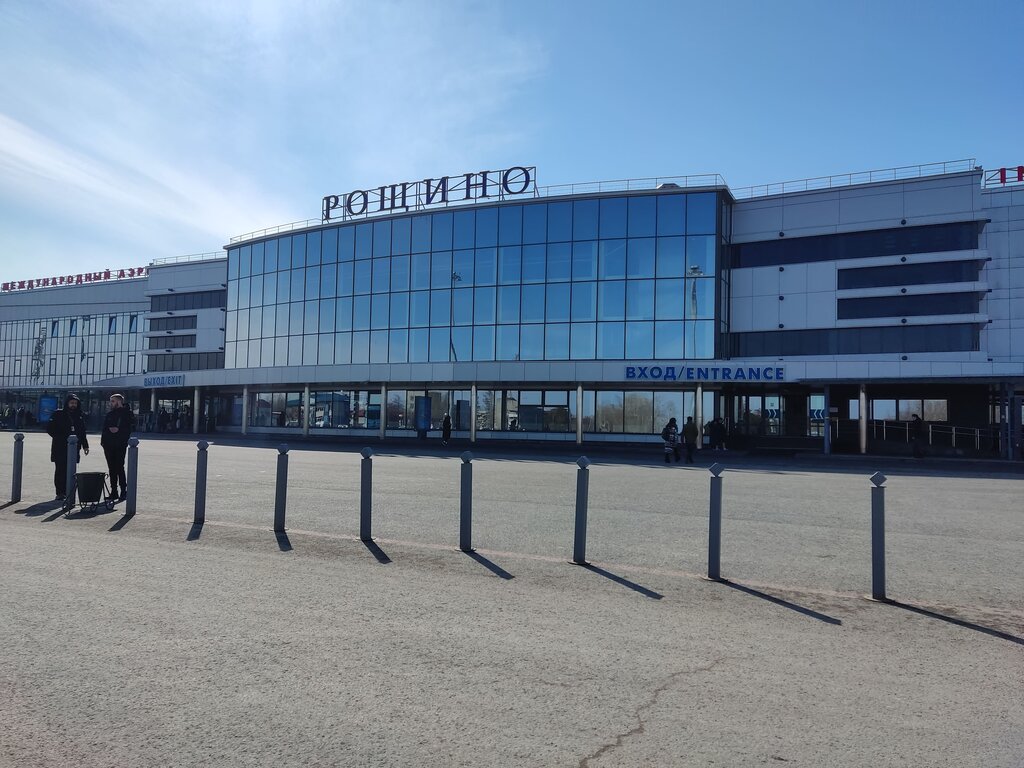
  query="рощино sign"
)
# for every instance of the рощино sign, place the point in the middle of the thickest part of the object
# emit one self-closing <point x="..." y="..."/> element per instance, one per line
<point x="690" y="372"/>
<point x="517" y="180"/>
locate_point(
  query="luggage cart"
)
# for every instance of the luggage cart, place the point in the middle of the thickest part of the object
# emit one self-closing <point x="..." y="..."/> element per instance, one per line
<point x="92" y="491"/>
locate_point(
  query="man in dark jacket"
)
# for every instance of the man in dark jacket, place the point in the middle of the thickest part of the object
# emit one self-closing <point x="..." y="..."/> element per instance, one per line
<point x="63" y="423"/>
<point x="117" y="429"/>
<point x="690" y="434"/>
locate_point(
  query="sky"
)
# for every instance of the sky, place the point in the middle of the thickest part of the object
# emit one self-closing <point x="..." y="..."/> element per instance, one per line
<point x="132" y="131"/>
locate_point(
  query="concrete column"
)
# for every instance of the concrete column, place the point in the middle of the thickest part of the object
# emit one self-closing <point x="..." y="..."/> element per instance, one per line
<point x="245" y="410"/>
<point x="828" y="423"/>
<point x="305" y="411"/>
<point x="472" y="413"/>
<point x="196" y="394"/>
<point x="1013" y="422"/>
<point x="579" y="414"/>
<point x="152" y="403"/>
<point x="698" y="415"/>
<point x="863" y="420"/>
<point x="383" y="410"/>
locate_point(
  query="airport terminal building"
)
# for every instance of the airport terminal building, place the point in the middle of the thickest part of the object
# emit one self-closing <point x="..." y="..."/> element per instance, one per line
<point x="816" y="315"/>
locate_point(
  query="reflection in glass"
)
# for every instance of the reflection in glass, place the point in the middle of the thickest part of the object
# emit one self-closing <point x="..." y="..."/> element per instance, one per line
<point x="440" y="345"/>
<point x="483" y="342"/>
<point x="361" y="313"/>
<point x="381" y="275"/>
<point x="559" y="261"/>
<point x="508" y="304"/>
<point x="419" y="345"/>
<point x="668" y="340"/>
<point x="507" y="342"/>
<point x="584" y="301"/>
<point x="534" y="263"/>
<point x="640" y="257"/>
<point x="609" y="412"/>
<point x="639" y="413"/>
<point x="399" y="310"/>
<point x="671" y="259"/>
<point x="610" y="340"/>
<point x="509" y="264"/>
<point x="440" y="308"/>
<point x="398" y="346"/>
<point x="639" y="340"/>
<point x="462" y="343"/>
<point x="612" y="300"/>
<point x="669" y="300"/>
<point x="700" y="255"/>
<point x="378" y="346"/>
<point x="556" y="341"/>
<point x="584" y="260"/>
<point x="361" y="347"/>
<point x="486" y="266"/>
<point x="639" y="299"/>
<point x="533" y="303"/>
<point x="557" y="302"/>
<point x="583" y="338"/>
<point x="419" y="308"/>
<point x="462" y="306"/>
<point x="483" y="306"/>
<point x="441" y="269"/>
<point x="462" y="268"/>
<point x="531" y="342"/>
<point x="612" y="259"/>
<point x="380" y="311"/>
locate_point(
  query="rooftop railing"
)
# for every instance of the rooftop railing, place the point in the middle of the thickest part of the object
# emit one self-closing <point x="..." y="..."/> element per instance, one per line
<point x="189" y="257"/>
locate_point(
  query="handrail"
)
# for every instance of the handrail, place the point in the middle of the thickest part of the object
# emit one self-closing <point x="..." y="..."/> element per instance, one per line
<point x="188" y="257"/>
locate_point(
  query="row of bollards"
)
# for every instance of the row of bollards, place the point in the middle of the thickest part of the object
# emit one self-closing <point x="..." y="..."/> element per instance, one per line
<point x="579" y="554"/>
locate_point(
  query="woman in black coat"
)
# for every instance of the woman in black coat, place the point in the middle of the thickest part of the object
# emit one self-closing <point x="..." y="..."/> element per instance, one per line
<point x="63" y="423"/>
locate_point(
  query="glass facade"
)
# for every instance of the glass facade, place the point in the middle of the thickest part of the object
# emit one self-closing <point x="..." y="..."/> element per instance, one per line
<point x="609" y="278"/>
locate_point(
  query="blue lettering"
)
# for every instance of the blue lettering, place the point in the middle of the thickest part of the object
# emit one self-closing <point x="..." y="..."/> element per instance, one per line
<point x="441" y="189"/>
<point x="714" y="374"/>
<point x="659" y="372"/>
<point x="739" y="375"/>
<point x="641" y="371"/>
<point x="702" y="374"/>
<point x="630" y="372"/>
<point x="768" y="374"/>
<point x="780" y="374"/>
<point x="726" y="374"/>
<point x="754" y="374"/>
<point x="670" y="373"/>
<point x="689" y="374"/>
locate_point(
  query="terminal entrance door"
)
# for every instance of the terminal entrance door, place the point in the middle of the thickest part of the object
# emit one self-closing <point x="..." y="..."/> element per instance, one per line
<point x="758" y="415"/>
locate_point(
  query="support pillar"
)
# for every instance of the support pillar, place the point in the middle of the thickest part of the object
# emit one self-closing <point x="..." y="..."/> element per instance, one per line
<point x="862" y="422"/>
<point x="305" y="411"/>
<point x="698" y="415"/>
<point x="472" y="414"/>
<point x="383" y="410"/>
<point x="196" y="395"/>
<point x="828" y="422"/>
<point x="152" y="408"/>
<point x="245" y="410"/>
<point x="579" y="414"/>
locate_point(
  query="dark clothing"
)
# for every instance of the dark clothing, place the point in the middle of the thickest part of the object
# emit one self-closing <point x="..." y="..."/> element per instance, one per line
<point x="918" y="431"/>
<point x="115" y="445"/>
<point x="63" y="423"/>
<point x="690" y="433"/>
<point x="446" y="430"/>
<point x="671" y="437"/>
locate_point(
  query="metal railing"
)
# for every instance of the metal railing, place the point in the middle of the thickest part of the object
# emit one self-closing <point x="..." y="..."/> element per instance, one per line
<point x="850" y="179"/>
<point x="189" y="257"/>
<point x="970" y="438"/>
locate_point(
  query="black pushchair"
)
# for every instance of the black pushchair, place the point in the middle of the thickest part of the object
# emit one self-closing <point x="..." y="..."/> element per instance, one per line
<point x="92" y="491"/>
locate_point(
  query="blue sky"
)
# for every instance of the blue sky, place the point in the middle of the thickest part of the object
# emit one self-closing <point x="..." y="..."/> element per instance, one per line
<point x="138" y="130"/>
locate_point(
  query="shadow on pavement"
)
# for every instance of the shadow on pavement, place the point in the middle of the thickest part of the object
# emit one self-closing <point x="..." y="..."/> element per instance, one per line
<point x="377" y="552"/>
<point x="493" y="567"/>
<point x="283" y="542"/>
<point x="784" y="603"/>
<point x="624" y="582"/>
<point x="194" y="532"/>
<point x="957" y="622"/>
<point x="42" y="508"/>
<point x="122" y="522"/>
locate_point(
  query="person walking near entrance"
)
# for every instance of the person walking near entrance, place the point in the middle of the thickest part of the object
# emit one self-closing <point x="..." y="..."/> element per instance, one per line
<point x="63" y="423"/>
<point x="446" y="429"/>
<point x="670" y="434"/>
<point x="117" y="429"/>
<point x="918" y="432"/>
<point x="690" y="433"/>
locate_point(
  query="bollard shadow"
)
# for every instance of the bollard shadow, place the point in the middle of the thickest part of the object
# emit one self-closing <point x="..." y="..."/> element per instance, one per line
<point x="88" y="514"/>
<point x="958" y="622"/>
<point x="8" y="504"/>
<point x="376" y="551"/>
<point x="283" y="542"/>
<point x="784" y="603"/>
<point x="493" y="567"/>
<point x="57" y="515"/>
<point x="194" y="532"/>
<point x="624" y="582"/>
<point x="122" y="522"/>
<point x="42" y="508"/>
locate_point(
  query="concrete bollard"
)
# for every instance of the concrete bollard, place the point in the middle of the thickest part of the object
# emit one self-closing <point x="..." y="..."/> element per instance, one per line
<point x="878" y="536"/>
<point x="200" y="507"/>
<point x="579" y="547"/>
<point x="365" y="491"/>
<point x="70" y="484"/>
<point x="132" y="475"/>
<point x="281" y="494"/>
<point x="19" y="461"/>
<point x="715" y="523"/>
<point x="466" y="504"/>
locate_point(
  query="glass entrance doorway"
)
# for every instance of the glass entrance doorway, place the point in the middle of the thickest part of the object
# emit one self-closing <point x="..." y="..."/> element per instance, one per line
<point x="758" y="414"/>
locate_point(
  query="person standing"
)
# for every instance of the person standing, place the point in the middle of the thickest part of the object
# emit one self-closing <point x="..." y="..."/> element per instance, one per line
<point x="918" y="432"/>
<point x="63" y="423"/>
<point x="446" y="429"/>
<point x="690" y="433"/>
<point x="670" y="434"/>
<point x="117" y="429"/>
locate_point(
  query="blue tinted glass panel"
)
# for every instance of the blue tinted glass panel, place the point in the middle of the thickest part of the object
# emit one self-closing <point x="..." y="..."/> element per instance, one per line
<point x="668" y="340"/>
<point x="295" y="312"/>
<point x="309" y="348"/>
<point x="700" y="255"/>
<point x="639" y="340"/>
<point x="610" y="340"/>
<point x="669" y="300"/>
<point x="462" y="267"/>
<point x="257" y="258"/>
<point x="346" y="248"/>
<point x="534" y="263"/>
<point x="419" y="308"/>
<point x="559" y="222"/>
<point x="584" y="301"/>
<point x="281" y="323"/>
<point x="420" y="234"/>
<point x="700" y="339"/>
<point x="583" y="341"/>
<point x="487" y="228"/>
<point x="506" y="342"/>
<point x="420" y="266"/>
<point x="639" y="299"/>
<point x="671" y="259"/>
<point x="312" y="248"/>
<point x="559" y="262"/>
<point x="311" y="317"/>
<point x="612" y="259"/>
<point x="284" y="253"/>
<point x="700" y="298"/>
<point x="245" y="261"/>
<point x="363" y="276"/>
<point x="464" y="235"/>
<point x="508" y="304"/>
<point x="462" y="306"/>
<point x="535" y="223"/>
<point x="382" y="238"/>
<point x="346" y="281"/>
<point x="440" y="345"/>
<point x="642" y="216"/>
<point x="328" y="312"/>
<point x="612" y="300"/>
<point x="325" y="354"/>
<point x="441" y="232"/>
<point x="613" y="217"/>
<point x="298" y="251"/>
<point x="270" y="288"/>
<point x="312" y="283"/>
<point x="270" y="253"/>
<point x="361" y="313"/>
<point x="379" y="347"/>
<point x="509" y="264"/>
<point x="284" y="286"/>
<point x="483" y="342"/>
<point x="584" y="220"/>
<point x="398" y="346"/>
<point x="556" y="341"/>
<point x="441" y="269"/>
<point x="342" y="348"/>
<point x="531" y="342"/>
<point x="584" y="260"/>
<point x="700" y="214"/>
<point x="401" y="230"/>
<point x="533" y="304"/>
<point x="640" y="257"/>
<point x="328" y="279"/>
<point x="399" y="310"/>
<point x="380" y="310"/>
<point x="672" y="214"/>
<point x="486" y="266"/>
<point x="419" y="345"/>
<point x="483" y="310"/>
<point x="298" y="285"/>
<point x="256" y="290"/>
<point x="441" y="307"/>
<point x="399" y="273"/>
<point x="462" y="343"/>
<point x="361" y="347"/>
<point x="233" y="257"/>
<point x="557" y="305"/>
<point x="364" y="240"/>
<point x="343" y="317"/>
<point x="510" y="225"/>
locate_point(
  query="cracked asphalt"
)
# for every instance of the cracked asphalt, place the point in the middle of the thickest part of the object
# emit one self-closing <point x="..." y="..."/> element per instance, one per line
<point x="142" y="641"/>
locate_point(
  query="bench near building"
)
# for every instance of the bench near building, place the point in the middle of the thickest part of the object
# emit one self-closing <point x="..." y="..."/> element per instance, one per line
<point x="820" y="314"/>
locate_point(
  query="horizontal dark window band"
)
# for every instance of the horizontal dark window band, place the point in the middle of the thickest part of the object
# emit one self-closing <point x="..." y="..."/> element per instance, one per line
<point x="931" y="273"/>
<point x="952" y="337"/>
<point x="933" y="238"/>
<point x="914" y="305"/>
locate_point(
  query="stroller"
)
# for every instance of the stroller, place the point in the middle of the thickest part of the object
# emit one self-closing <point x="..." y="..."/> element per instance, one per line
<point x="93" y="491"/>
